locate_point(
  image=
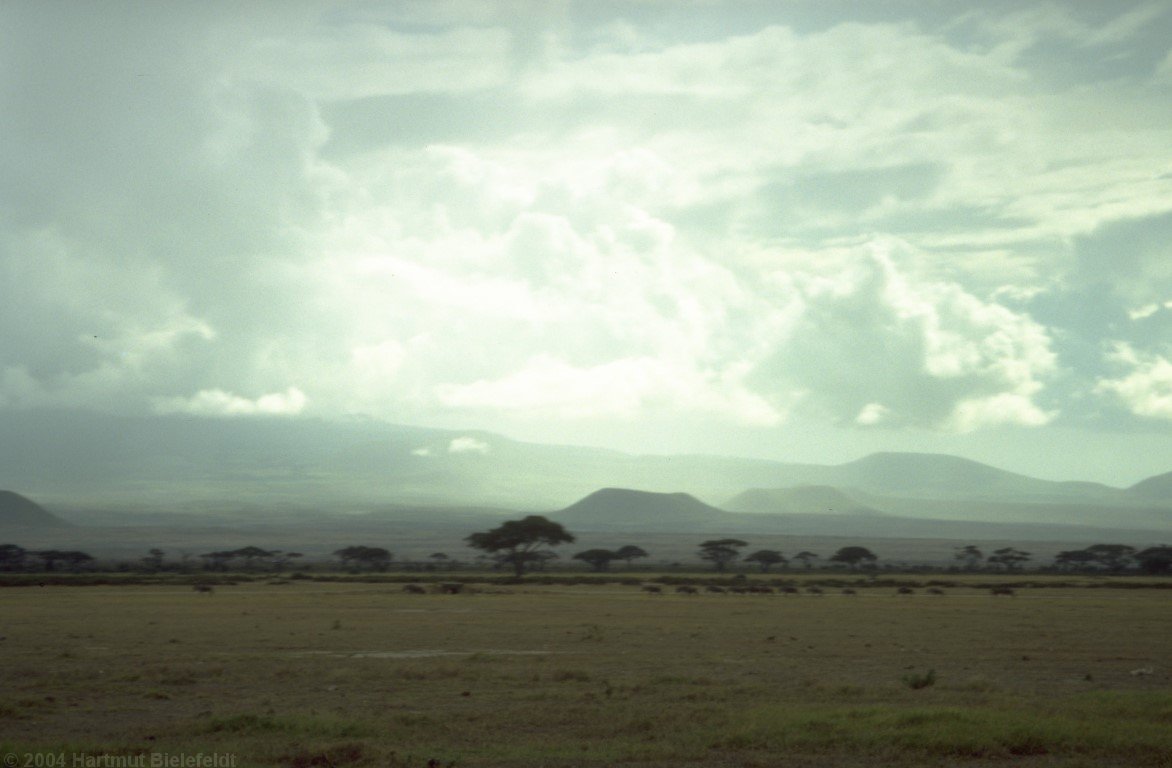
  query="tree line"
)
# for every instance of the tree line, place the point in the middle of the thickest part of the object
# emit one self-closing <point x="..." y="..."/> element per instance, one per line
<point x="527" y="544"/>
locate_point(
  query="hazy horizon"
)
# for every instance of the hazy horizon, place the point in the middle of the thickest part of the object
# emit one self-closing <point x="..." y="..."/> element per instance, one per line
<point x="804" y="232"/>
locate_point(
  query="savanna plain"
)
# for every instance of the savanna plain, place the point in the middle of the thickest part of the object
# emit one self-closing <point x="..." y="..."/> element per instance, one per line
<point x="336" y="673"/>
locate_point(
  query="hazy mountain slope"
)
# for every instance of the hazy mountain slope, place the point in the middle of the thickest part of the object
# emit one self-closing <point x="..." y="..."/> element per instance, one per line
<point x="1132" y="516"/>
<point x="802" y="499"/>
<point x="193" y="464"/>
<point x="1157" y="489"/>
<point x="938" y="476"/>
<point x="621" y="509"/>
<point x="17" y="510"/>
<point x="168" y="462"/>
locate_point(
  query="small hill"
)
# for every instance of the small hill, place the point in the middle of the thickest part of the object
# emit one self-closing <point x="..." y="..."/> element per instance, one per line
<point x="620" y="508"/>
<point x="802" y="499"/>
<point x="17" y="510"/>
<point x="940" y="476"/>
<point x="1158" y="489"/>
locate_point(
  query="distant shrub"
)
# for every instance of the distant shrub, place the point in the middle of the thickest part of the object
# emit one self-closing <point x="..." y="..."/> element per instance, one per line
<point x="916" y="681"/>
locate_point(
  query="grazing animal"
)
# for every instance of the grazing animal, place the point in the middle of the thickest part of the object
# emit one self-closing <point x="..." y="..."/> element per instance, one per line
<point x="935" y="591"/>
<point x="651" y="589"/>
<point x="713" y="588"/>
<point x="849" y="591"/>
<point x="451" y="588"/>
<point x="789" y="590"/>
<point x="686" y="589"/>
<point x="414" y="589"/>
<point x="1002" y="591"/>
<point x="203" y="588"/>
<point x="905" y="591"/>
<point x="814" y="590"/>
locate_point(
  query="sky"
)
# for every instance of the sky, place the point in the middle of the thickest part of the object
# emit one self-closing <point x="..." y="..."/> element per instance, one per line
<point x="797" y="230"/>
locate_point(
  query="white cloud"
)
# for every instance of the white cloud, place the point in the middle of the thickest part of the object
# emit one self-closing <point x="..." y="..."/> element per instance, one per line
<point x="468" y="445"/>
<point x="1147" y="310"/>
<point x="217" y="402"/>
<point x="877" y="343"/>
<point x="628" y="388"/>
<point x="871" y="414"/>
<point x="491" y="214"/>
<point x="1146" y="387"/>
<point x="1003" y="408"/>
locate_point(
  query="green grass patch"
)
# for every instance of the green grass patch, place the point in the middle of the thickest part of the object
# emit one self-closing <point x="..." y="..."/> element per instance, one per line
<point x="290" y="725"/>
<point x="531" y="676"/>
<point x="917" y="681"/>
<point x="1135" y="726"/>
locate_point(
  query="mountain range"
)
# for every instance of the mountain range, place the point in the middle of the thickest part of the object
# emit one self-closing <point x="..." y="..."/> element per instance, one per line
<point x="19" y="511"/>
<point x="88" y="467"/>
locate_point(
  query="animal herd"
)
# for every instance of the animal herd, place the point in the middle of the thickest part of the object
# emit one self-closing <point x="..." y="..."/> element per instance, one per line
<point x="761" y="589"/>
<point x="455" y="588"/>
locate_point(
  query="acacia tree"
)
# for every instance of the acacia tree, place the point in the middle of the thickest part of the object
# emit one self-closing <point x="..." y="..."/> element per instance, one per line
<point x="76" y="559"/>
<point x="598" y="559"/>
<point x="721" y="552"/>
<point x="217" y="561"/>
<point x="374" y="558"/>
<point x="1113" y="557"/>
<point x="282" y="560"/>
<point x="154" y="560"/>
<point x="630" y="552"/>
<point x="1009" y="557"/>
<point x="766" y="558"/>
<point x="853" y="556"/>
<point x="251" y="555"/>
<point x="806" y="557"/>
<point x="11" y="557"/>
<point x="51" y="557"/>
<point x="520" y="542"/>
<point x="1155" y="559"/>
<point x="971" y="555"/>
<point x="1074" y="559"/>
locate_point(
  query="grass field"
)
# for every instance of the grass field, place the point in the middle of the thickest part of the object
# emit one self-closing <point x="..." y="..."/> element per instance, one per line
<point x="332" y="674"/>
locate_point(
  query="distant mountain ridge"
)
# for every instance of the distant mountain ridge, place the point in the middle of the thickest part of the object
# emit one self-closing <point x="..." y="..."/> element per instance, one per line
<point x="940" y="476"/>
<point x="17" y="510"/>
<point x="612" y="510"/>
<point x="1158" y="488"/>
<point x="188" y="464"/>
<point x="622" y="508"/>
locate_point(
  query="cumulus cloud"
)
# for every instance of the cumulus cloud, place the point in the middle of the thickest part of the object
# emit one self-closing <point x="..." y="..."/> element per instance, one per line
<point x="217" y="402"/>
<point x="871" y="414"/>
<point x="1147" y="310"/>
<point x="1145" y="387"/>
<point x="626" y="388"/>
<point x="477" y="214"/>
<point x="879" y="344"/>
<point x="468" y="445"/>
